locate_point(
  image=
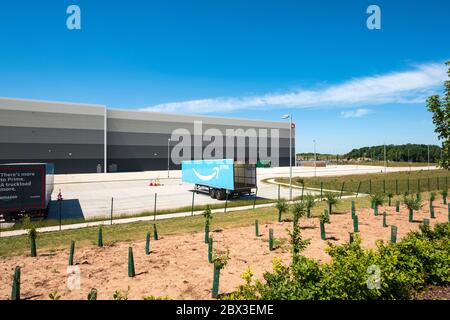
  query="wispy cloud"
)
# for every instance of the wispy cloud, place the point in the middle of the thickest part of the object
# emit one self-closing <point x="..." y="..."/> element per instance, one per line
<point x="403" y="87"/>
<point x="358" y="113"/>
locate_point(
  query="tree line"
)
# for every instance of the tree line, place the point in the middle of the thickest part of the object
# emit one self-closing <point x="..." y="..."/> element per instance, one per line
<point x="398" y="153"/>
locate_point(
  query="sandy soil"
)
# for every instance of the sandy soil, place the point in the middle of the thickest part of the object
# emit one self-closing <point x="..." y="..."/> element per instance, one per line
<point x="178" y="266"/>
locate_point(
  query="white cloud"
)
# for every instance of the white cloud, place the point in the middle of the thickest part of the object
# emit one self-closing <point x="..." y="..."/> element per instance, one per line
<point x="358" y="113"/>
<point x="404" y="87"/>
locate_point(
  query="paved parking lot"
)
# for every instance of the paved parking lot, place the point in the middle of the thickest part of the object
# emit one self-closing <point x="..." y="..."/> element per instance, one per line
<point x="89" y="195"/>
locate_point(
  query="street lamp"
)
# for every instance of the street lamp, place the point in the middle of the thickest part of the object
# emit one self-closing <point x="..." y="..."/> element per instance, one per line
<point x="168" y="158"/>
<point x="289" y="116"/>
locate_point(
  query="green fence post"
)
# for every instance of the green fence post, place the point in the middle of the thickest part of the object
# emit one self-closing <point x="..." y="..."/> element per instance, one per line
<point x="15" y="292"/>
<point x="397" y="206"/>
<point x="33" y="247"/>
<point x="353" y="209"/>
<point x="155" y="232"/>
<point x="350" y="237"/>
<point x="375" y="210"/>
<point x="257" y="228"/>
<point x="393" y="234"/>
<point x="92" y="295"/>
<point x="411" y="215"/>
<point x="323" y="236"/>
<point x="355" y="224"/>
<point x="131" y="271"/>
<point x="216" y="277"/>
<point x="100" y="237"/>
<point x="370" y="186"/>
<point x="210" y="250"/>
<point x="270" y="239"/>
<point x="206" y="232"/>
<point x="432" y="214"/>
<point x="72" y="249"/>
<point x="147" y="244"/>
<point x="384" y="220"/>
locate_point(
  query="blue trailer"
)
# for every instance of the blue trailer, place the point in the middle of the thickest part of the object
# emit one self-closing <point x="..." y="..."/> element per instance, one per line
<point x="220" y="177"/>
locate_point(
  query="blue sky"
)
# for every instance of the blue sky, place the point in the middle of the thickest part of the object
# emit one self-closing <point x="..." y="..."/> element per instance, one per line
<point x="346" y="86"/>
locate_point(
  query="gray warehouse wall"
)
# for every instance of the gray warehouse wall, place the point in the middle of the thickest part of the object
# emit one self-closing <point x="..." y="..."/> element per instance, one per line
<point x="72" y="136"/>
<point x="138" y="141"/>
<point x="69" y="135"/>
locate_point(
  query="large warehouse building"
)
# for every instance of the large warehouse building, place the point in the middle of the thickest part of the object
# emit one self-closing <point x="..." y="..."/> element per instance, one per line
<point x="81" y="138"/>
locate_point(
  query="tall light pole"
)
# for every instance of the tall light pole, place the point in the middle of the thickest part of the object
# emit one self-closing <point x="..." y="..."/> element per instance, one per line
<point x="168" y="158"/>
<point x="289" y="116"/>
<point x="315" y="159"/>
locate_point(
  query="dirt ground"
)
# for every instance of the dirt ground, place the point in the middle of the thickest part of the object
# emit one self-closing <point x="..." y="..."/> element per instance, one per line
<point x="178" y="266"/>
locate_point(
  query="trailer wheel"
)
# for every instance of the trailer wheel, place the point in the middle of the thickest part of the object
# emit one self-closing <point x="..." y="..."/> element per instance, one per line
<point x="212" y="193"/>
<point x="220" y="194"/>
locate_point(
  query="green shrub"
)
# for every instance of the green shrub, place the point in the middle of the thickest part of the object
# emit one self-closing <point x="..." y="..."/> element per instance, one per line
<point x="378" y="199"/>
<point x="332" y="199"/>
<point x="419" y="259"/>
<point x="298" y="209"/>
<point x="310" y="202"/>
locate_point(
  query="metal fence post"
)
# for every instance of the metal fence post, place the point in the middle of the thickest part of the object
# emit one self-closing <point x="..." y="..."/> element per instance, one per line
<point x="60" y="214"/>
<point x="192" y="207"/>
<point x="303" y="189"/>
<point x="342" y="189"/>
<point x="357" y="191"/>
<point x="226" y="202"/>
<point x="321" y="190"/>
<point x="112" y="208"/>
<point x="279" y="186"/>
<point x="154" y="209"/>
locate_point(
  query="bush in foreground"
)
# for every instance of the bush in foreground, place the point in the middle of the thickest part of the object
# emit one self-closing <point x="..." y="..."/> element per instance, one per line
<point x="400" y="270"/>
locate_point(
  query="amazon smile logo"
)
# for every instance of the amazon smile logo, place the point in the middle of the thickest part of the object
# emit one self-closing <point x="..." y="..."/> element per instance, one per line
<point x="215" y="174"/>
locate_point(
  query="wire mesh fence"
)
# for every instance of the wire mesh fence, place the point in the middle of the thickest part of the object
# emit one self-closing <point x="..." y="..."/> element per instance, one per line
<point x="157" y="201"/>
